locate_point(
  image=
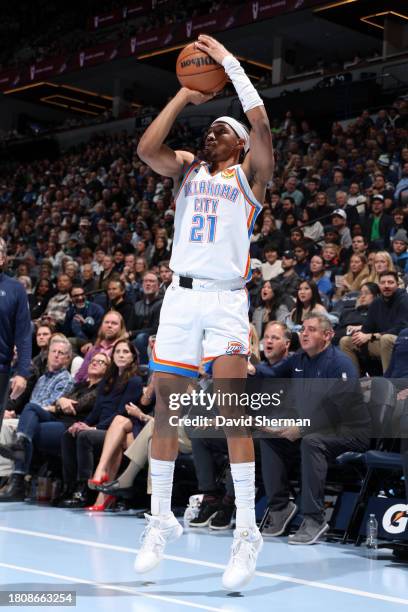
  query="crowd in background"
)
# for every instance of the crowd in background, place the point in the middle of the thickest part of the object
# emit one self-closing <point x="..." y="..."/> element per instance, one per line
<point x="90" y="236"/>
<point x="33" y="35"/>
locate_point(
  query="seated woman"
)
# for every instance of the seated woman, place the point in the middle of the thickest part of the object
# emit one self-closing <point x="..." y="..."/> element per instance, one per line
<point x="121" y="385"/>
<point x="351" y="319"/>
<point x="273" y="307"/>
<point x="71" y="408"/>
<point x="137" y="452"/>
<point x="308" y="299"/>
<point x="318" y="275"/>
<point x="381" y="262"/>
<point x="355" y="275"/>
<point x="45" y="426"/>
<point x="120" y="435"/>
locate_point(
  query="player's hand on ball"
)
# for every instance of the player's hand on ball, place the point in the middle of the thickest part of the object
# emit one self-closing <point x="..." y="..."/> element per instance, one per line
<point x="211" y="46"/>
<point x="196" y="97"/>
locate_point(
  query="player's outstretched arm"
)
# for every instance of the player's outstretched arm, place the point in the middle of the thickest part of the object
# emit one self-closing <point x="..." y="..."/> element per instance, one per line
<point x="151" y="148"/>
<point x="259" y="163"/>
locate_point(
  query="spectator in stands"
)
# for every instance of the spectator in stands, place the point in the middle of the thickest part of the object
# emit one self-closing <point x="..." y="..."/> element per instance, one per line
<point x="273" y="265"/>
<point x="302" y="267"/>
<point x="119" y="301"/>
<point x="82" y="319"/>
<point x="147" y="314"/>
<point x="359" y="246"/>
<point x="341" y="204"/>
<point x="276" y="343"/>
<point x="338" y="184"/>
<point x="339" y="220"/>
<point x="268" y="236"/>
<point x="382" y="262"/>
<point x="352" y="319"/>
<point x="400" y="250"/>
<point x="319" y="276"/>
<point x="331" y="236"/>
<point x="108" y="272"/>
<point x="88" y="280"/>
<point x="292" y="191"/>
<point x="111" y="330"/>
<point x="339" y="422"/>
<point x="15" y="406"/>
<point x="83" y="439"/>
<point x="166" y="277"/>
<point x="43" y="336"/>
<point x="123" y="430"/>
<point x="323" y="208"/>
<point x="400" y="222"/>
<point x="160" y="251"/>
<point x="138" y="452"/>
<point x="52" y="385"/>
<point x="288" y="280"/>
<point x="314" y="229"/>
<point x="273" y="306"/>
<point x="70" y="268"/>
<point x="387" y="316"/>
<point x="356" y="273"/>
<point x="402" y="186"/>
<point x="58" y="304"/>
<point x="307" y="300"/>
<point x="379" y="225"/>
<point x="398" y="368"/>
<point x="254" y="285"/>
<point x="41" y="296"/>
<point x="98" y="259"/>
<point x="289" y="223"/>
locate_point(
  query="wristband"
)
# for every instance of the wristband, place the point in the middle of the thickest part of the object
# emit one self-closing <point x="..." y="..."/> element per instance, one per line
<point x="247" y="93"/>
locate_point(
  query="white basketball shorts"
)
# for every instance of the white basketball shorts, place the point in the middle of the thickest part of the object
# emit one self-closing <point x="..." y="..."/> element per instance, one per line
<point x="197" y="326"/>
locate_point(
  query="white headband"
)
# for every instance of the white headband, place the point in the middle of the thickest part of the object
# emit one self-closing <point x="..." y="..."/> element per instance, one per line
<point x="238" y="128"/>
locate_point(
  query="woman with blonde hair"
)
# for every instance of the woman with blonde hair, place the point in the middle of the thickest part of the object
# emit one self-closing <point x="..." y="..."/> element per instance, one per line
<point x="382" y="263"/>
<point x="355" y="275"/>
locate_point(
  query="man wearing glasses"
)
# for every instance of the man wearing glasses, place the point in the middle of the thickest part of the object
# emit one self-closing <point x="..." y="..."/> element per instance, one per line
<point x="15" y="330"/>
<point x="49" y="388"/>
<point x="83" y="318"/>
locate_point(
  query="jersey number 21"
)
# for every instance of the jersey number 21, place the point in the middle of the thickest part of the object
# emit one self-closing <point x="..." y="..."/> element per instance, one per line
<point x="203" y="228"/>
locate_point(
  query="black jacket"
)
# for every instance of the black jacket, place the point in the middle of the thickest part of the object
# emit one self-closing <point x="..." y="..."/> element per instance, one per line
<point x="350" y="316"/>
<point x="386" y="224"/>
<point x="127" y="310"/>
<point x="288" y="284"/>
<point x="387" y="316"/>
<point x="326" y="389"/>
<point x="146" y="316"/>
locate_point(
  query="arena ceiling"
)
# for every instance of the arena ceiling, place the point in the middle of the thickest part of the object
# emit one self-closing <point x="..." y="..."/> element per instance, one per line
<point x="337" y="29"/>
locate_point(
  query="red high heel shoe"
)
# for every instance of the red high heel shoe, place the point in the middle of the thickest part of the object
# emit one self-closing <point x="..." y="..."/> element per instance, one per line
<point x="92" y="483"/>
<point x="109" y="502"/>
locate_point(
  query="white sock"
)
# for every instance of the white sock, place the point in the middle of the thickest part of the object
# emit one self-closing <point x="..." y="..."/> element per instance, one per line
<point x="243" y="475"/>
<point x="162" y="485"/>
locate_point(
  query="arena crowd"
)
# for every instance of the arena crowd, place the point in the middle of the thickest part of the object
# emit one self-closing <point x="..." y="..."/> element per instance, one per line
<point x="89" y="236"/>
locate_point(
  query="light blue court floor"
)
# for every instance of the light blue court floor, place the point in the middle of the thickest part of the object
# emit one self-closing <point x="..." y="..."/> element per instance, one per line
<point x="43" y="548"/>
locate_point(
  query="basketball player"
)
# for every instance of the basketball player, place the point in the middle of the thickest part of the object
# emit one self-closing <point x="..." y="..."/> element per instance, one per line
<point x="205" y="309"/>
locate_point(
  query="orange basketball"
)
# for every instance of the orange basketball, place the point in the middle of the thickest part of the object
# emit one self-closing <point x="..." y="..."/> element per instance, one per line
<point x="195" y="69"/>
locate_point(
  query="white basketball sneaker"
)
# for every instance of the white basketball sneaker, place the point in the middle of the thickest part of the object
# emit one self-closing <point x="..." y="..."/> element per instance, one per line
<point x="241" y="567"/>
<point x="154" y="538"/>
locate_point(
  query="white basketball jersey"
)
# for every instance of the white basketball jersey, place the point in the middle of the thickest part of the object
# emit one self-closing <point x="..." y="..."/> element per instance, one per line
<point x="214" y="220"/>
